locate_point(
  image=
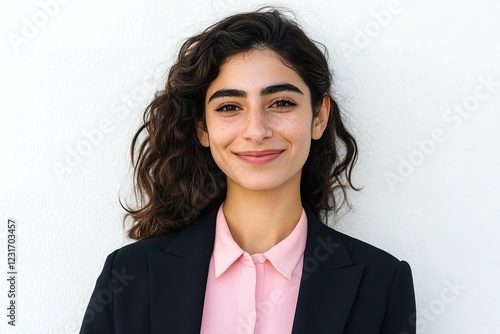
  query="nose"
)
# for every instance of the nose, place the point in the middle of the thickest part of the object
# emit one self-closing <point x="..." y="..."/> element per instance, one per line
<point x="257" y="127"/>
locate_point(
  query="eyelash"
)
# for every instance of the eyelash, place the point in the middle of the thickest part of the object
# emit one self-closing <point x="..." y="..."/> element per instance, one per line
<point x="289" y="103"/>
<point x="225" y="105"/>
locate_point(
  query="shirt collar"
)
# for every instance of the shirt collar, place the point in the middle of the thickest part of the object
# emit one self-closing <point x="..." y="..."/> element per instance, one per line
<point x="284" y="256"/>
<point x="226" y="250"/>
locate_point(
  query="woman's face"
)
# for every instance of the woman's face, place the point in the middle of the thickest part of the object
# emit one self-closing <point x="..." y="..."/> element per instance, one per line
<point x="259" y="121"/>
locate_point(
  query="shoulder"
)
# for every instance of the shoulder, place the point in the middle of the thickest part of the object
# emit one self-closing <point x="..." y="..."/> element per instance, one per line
<point x="361" y="251"/>
<point x="378" y="261"/>
<point x="382" y="271"/>
<point x="136" y="253"/>
<point x="157" y="243"/>
<point x="358" y="251"/>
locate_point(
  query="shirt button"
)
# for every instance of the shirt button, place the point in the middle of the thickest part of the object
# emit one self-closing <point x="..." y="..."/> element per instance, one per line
<point x="261" y="259"/>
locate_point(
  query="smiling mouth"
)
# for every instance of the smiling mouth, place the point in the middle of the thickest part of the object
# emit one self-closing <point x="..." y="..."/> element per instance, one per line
<point x="259" y="157"/>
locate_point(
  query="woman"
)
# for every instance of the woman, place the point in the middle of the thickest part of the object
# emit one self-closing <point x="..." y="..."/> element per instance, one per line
<point x="245" y="150"/>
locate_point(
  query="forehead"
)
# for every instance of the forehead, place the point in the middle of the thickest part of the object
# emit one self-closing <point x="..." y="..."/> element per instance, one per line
<point x="255" y="69"/>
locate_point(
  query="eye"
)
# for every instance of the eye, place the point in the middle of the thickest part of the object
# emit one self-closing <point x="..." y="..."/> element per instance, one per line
<point x="283" y="104"/>
<point x="227" y="108"/>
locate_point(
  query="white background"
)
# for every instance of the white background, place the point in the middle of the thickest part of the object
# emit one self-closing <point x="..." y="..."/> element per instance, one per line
<point x="76" y="76"/>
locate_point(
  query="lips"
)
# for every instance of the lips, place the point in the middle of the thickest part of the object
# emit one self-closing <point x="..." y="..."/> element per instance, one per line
<point x="259" y="157"/>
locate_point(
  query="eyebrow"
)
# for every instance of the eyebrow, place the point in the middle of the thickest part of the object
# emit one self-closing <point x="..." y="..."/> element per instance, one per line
<point x="265" y="91"/>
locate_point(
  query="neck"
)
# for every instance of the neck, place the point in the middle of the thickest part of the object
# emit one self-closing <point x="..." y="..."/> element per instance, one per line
<point x="258" y="220"/>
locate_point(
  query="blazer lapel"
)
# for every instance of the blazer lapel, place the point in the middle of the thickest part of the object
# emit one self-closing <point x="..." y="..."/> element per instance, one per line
<point x="329" y="281"/>
<point x="178" y="278"/>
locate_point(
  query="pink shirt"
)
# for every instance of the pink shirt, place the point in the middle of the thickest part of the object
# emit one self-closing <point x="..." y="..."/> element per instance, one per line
<point x="253" y="293"/>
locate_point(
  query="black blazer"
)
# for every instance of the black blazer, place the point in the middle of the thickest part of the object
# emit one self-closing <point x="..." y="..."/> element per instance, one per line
<point x="158" y="285"/>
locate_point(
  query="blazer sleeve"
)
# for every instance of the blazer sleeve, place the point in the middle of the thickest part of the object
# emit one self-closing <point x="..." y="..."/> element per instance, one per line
<point x="98" y="317"/>
<point x="401" y="315"/>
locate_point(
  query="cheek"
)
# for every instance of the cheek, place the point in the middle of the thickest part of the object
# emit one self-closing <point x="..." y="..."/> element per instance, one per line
<point x="296" y="130"/>
<point x="220" y="134"/>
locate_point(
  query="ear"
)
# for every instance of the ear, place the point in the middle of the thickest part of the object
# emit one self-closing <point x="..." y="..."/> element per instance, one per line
<point x="321" y="120"/>
<point x="202" y="133"/>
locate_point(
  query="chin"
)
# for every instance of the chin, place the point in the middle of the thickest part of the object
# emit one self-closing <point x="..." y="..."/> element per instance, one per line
<point x="260" y="184"/>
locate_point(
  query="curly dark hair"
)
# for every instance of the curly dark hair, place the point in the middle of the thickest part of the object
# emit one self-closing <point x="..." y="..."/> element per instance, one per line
<point x="176" y="178"/>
